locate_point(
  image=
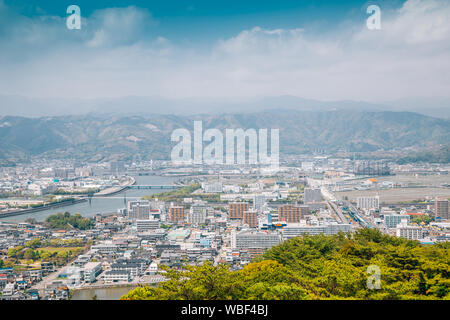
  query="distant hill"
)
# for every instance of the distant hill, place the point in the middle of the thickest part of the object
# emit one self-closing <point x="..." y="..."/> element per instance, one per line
<point x="17" y="105"/>
<point x="96" y="137"/>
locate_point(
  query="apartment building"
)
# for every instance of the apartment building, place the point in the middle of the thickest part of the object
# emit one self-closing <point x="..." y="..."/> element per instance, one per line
<point x="441" y="208"/>
<point x="292" y="214"/>
<point x="406" y="231"/>
<point x="176" y="214"/>
<point x="254" y="239"/>
<point x="146" y="225"/>
<point x="293" y="230"/>
<point x="250" y="217"/>
<point x="116" y="276"/>
<point x="368" y="202"/>
<point x="392" y="220"/>
<point x="138" y="210"/>
<point x="236" y="209"/>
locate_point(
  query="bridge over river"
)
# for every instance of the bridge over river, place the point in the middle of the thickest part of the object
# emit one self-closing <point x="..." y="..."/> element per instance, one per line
<point x="111" y="190"/>
<point x="168" y="187"/>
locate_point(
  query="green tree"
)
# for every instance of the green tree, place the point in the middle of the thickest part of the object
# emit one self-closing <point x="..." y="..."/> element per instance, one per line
<point x="319" y="267"/>
<point x="31" y="220"/>
<point x="30" y="254"/>
<point x="35" y="243"/>
<point x="67" y="221"/>
<point x="425" y="219"/>
<point x="16" y="252"/>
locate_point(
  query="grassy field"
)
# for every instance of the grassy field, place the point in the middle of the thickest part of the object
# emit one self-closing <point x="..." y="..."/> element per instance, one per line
<point x="431" y="188"/>
<point x="397" y="195"/>
<point x="59" y="249"/>
<point x="427" y="180"/>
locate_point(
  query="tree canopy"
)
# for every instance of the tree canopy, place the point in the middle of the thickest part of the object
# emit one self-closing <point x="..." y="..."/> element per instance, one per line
<point x="318" y="267"/>
<point x="68" y="221"/>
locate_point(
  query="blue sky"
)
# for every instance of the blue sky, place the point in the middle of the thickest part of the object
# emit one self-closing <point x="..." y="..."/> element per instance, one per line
<point x="205" y="20"/>
<point x="226" y="49"/>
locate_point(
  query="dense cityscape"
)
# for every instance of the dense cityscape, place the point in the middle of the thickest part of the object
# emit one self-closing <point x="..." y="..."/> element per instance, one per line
<point x="221" y="214"/>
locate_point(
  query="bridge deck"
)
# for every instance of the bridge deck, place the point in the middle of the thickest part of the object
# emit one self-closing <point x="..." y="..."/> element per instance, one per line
<point x="154" y="187"/>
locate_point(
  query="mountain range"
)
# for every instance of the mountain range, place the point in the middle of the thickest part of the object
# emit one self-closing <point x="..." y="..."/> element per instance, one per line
<point x="16" y="105"/>
<point x="98" y="137"/>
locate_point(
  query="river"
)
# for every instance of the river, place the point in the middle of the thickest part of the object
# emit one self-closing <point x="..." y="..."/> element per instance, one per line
<point x="114" y="293"/>
<point x="101" y="205"/>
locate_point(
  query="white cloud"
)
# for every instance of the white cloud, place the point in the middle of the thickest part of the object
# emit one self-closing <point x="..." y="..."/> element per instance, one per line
<point x="119" y="26"/>
<point x="116" y="55"/>
<point x="423" y="21"/>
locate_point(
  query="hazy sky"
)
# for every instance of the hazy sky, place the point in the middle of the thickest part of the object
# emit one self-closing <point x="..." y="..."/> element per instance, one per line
<point x="212" y="49"/>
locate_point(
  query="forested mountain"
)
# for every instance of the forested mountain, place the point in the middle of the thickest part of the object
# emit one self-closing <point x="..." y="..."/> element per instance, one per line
<point x="96" y="137"/>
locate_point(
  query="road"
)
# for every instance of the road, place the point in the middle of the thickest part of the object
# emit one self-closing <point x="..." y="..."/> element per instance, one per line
<point x="50" y="278"/>
<point x="54" y="275"/>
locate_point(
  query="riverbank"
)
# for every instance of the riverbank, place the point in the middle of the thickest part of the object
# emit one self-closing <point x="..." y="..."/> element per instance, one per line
<point x="101" y="205"/>
<point x="111" y="293"/>
<point x="105" y="292"/>
<point x="108" y="286"/>
<point x="48" y="206"/>
<point x="115" y="190"/>
<point x="107" y="192"/>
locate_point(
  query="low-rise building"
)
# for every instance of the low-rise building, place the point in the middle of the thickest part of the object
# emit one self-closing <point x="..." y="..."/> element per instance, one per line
<point x="254" y="239"/>
<point x="116" y="276"/>
<point x="292" y="230"/>
<point x="146" y="225"/>
<point x="406" y="231"/>
<point x="9" y="289"/>
<point x="392" y="220"/>
<point x="91" y="270"/>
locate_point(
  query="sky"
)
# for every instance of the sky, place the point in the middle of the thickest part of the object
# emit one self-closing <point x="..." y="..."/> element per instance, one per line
<point x="218" y="49"/>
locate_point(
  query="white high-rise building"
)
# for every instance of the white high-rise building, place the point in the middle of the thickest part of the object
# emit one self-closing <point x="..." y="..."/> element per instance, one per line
<point x="259" y="201"/>
<point x="91" y="270"/>
<point x="138" y="210"/>
<point x="197" y="214"/>
<point x="368" y="202"/>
